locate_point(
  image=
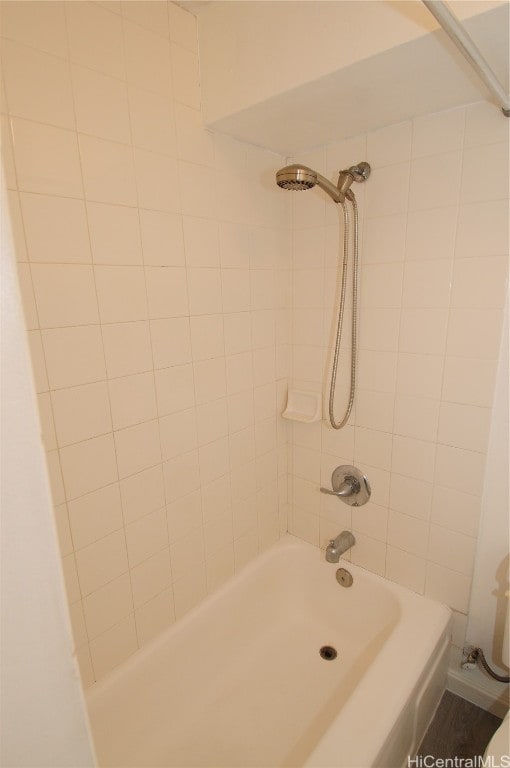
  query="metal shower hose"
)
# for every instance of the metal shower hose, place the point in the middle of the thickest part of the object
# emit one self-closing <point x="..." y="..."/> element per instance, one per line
<point x="354" y="326"/>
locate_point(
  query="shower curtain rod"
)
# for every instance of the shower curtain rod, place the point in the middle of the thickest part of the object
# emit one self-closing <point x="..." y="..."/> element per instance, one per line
<point x="466" y="46"/>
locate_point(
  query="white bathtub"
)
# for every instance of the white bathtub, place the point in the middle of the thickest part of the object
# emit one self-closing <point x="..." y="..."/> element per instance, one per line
<point x="240" y="682"/>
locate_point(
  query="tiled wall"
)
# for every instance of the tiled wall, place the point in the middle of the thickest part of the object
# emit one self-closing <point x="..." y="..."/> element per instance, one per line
<point x="434" y="257"/>
<point x="154" y="261"/>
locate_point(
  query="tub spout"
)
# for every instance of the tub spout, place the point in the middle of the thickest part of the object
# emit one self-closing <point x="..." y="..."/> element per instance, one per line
<point x="338" y="546"/>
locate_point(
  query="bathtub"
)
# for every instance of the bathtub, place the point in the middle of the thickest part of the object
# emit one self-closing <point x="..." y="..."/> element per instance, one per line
<point x="239" y="682"/>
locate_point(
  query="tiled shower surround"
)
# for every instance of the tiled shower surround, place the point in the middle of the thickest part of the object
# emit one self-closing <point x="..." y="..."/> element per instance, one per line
<point x="172" y="290"/>
<point x="434" y="256"/>
<point x="154" y="265"/>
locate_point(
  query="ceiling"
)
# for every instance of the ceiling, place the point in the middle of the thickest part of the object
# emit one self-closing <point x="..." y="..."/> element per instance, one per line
<point x="420" y="77"/>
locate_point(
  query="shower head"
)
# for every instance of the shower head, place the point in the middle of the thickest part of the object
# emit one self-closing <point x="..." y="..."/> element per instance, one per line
<point x="296" y="177"/>
<point x="299" y="177"/>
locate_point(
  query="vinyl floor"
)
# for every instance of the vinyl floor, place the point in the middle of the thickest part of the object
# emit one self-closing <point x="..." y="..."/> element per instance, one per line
<point x="459" y="729"/>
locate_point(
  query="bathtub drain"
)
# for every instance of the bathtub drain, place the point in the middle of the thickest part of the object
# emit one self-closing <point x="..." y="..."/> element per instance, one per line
<point x="328" y="652"/>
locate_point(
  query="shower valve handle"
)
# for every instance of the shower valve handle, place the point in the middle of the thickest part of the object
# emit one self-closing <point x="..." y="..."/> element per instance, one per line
<point x="350" y="485"/>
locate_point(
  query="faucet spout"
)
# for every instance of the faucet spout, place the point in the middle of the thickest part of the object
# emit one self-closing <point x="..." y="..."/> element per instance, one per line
<point x="338" y="546"/>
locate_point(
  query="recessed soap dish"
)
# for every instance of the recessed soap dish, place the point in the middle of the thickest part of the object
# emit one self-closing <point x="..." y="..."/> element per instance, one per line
<point x="303" y="406"/>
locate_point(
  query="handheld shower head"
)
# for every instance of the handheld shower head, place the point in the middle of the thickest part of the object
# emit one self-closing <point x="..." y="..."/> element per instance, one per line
<point x="298" y="177"/>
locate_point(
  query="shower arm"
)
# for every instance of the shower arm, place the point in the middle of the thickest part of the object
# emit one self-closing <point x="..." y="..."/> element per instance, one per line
<point x="330" y="188"/>
<point x="466" y="46"/>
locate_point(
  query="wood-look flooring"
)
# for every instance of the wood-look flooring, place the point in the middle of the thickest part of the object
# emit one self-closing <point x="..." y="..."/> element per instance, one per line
<point x="459" y="729"/>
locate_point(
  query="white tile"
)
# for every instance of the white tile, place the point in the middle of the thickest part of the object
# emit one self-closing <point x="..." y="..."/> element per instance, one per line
<point x="55" y="229"/>
<point x="425" y="191"/>
<point x="448" y="587"/>
<point x="114" y="234"/>
<point x="431" y="234"/>
<point x="74" y="355"/>
<point x="151" y="577"/>
<point x="235" y="245"/>
<point x="195" y="143"/>
<point x="381" y="285"/>
<point x="185" y="76"/>
<point x="186" y="550"/>
<point x="419" y="375"/>
<point x="107" y="606"/>
<point x="101" y="105"/>
<point x="171" y="341"/>
<point x="374" y="410"/>
<point x="451" y="550"/>
<point x="178" y="433"/>
<point x="47" y="426"/>
<point x="65" y="294"/>
<point x="479" y="182"/>
<point x="121" y="293"/>
<point x="237" y="329"/>
<point x="239" y="373"/>
<point x="101" y="562"/>
<point x="384" y="239"/>
<point x="210" y="381"/>
<point x="408" y="533"/>
<point x="214" y="460"/>
<point x="198" y="189"/>
<point x="55" y="477"/>
<point x="38" y="86"/>
<point x="372" y="447"/>
<point x="137" y="448"/>
<point x="464" y="426"/>
<point x="127" y="348"/>
<point x="204" y="286"/>
<point x="175" y="389"/>
<point x="423" y="330"/>
<point x="308" y="288"/>
<point x="152" y="121"/>
<point x="470" y="381"/>
<point x="166" y="292"/>
<point x="142" y="493"/>
<point x="147" y="59"/>
<point x="410" y="496"/>
<point x="151" y="15"/>
<point x="456" y="510"/>
<point x="81" y="412"/>
<point x="379" y="329"/>
<point x="183" y="26"/>
<point x="88" y="21"/>
<point x="133" y="399"/>
<point x="413" y="458"/>
<point x="98" y="455"/>
<point x="216" y="497"/>
<point x="47" y="159"/>
<point x="427" y="283"/>
<point x="114" y="646"/>
<point x="370" y="554"/>
<point x="38" y="362"/>
<point x="181" y="476"/>
<point x="378" y="201"/>
<point x="264" y="371"/>
<point x="220" y="568"/>
<point x="371" y="520"/>
<point x="482" y="229"/>
<point x="71" y="578"/>
<point x="207" y="338"/>
<point x="108" y="173"/>
<point x="201" y="240"/>
<point x="146" y="536"/>
<point x="484" y="124"/>
<point x="95" y="515"/>
<point x="162" y="239"/>
<point x="416" y="417"/>
<point x="7" y="153"/>
<point x="406" y="569"/>
<point x="27" y="296"/>
<point x="240" y="411"/>
<point x="439" y="132"/>
<point x="39" y="25"/>
<point x="460" y="469"/>
<point x="184" y="516"/>
<point x="157" y="181"/>
<point x="480" y="282"/>
<point x="474" y="329"/>
<point x="390" y="145"/>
